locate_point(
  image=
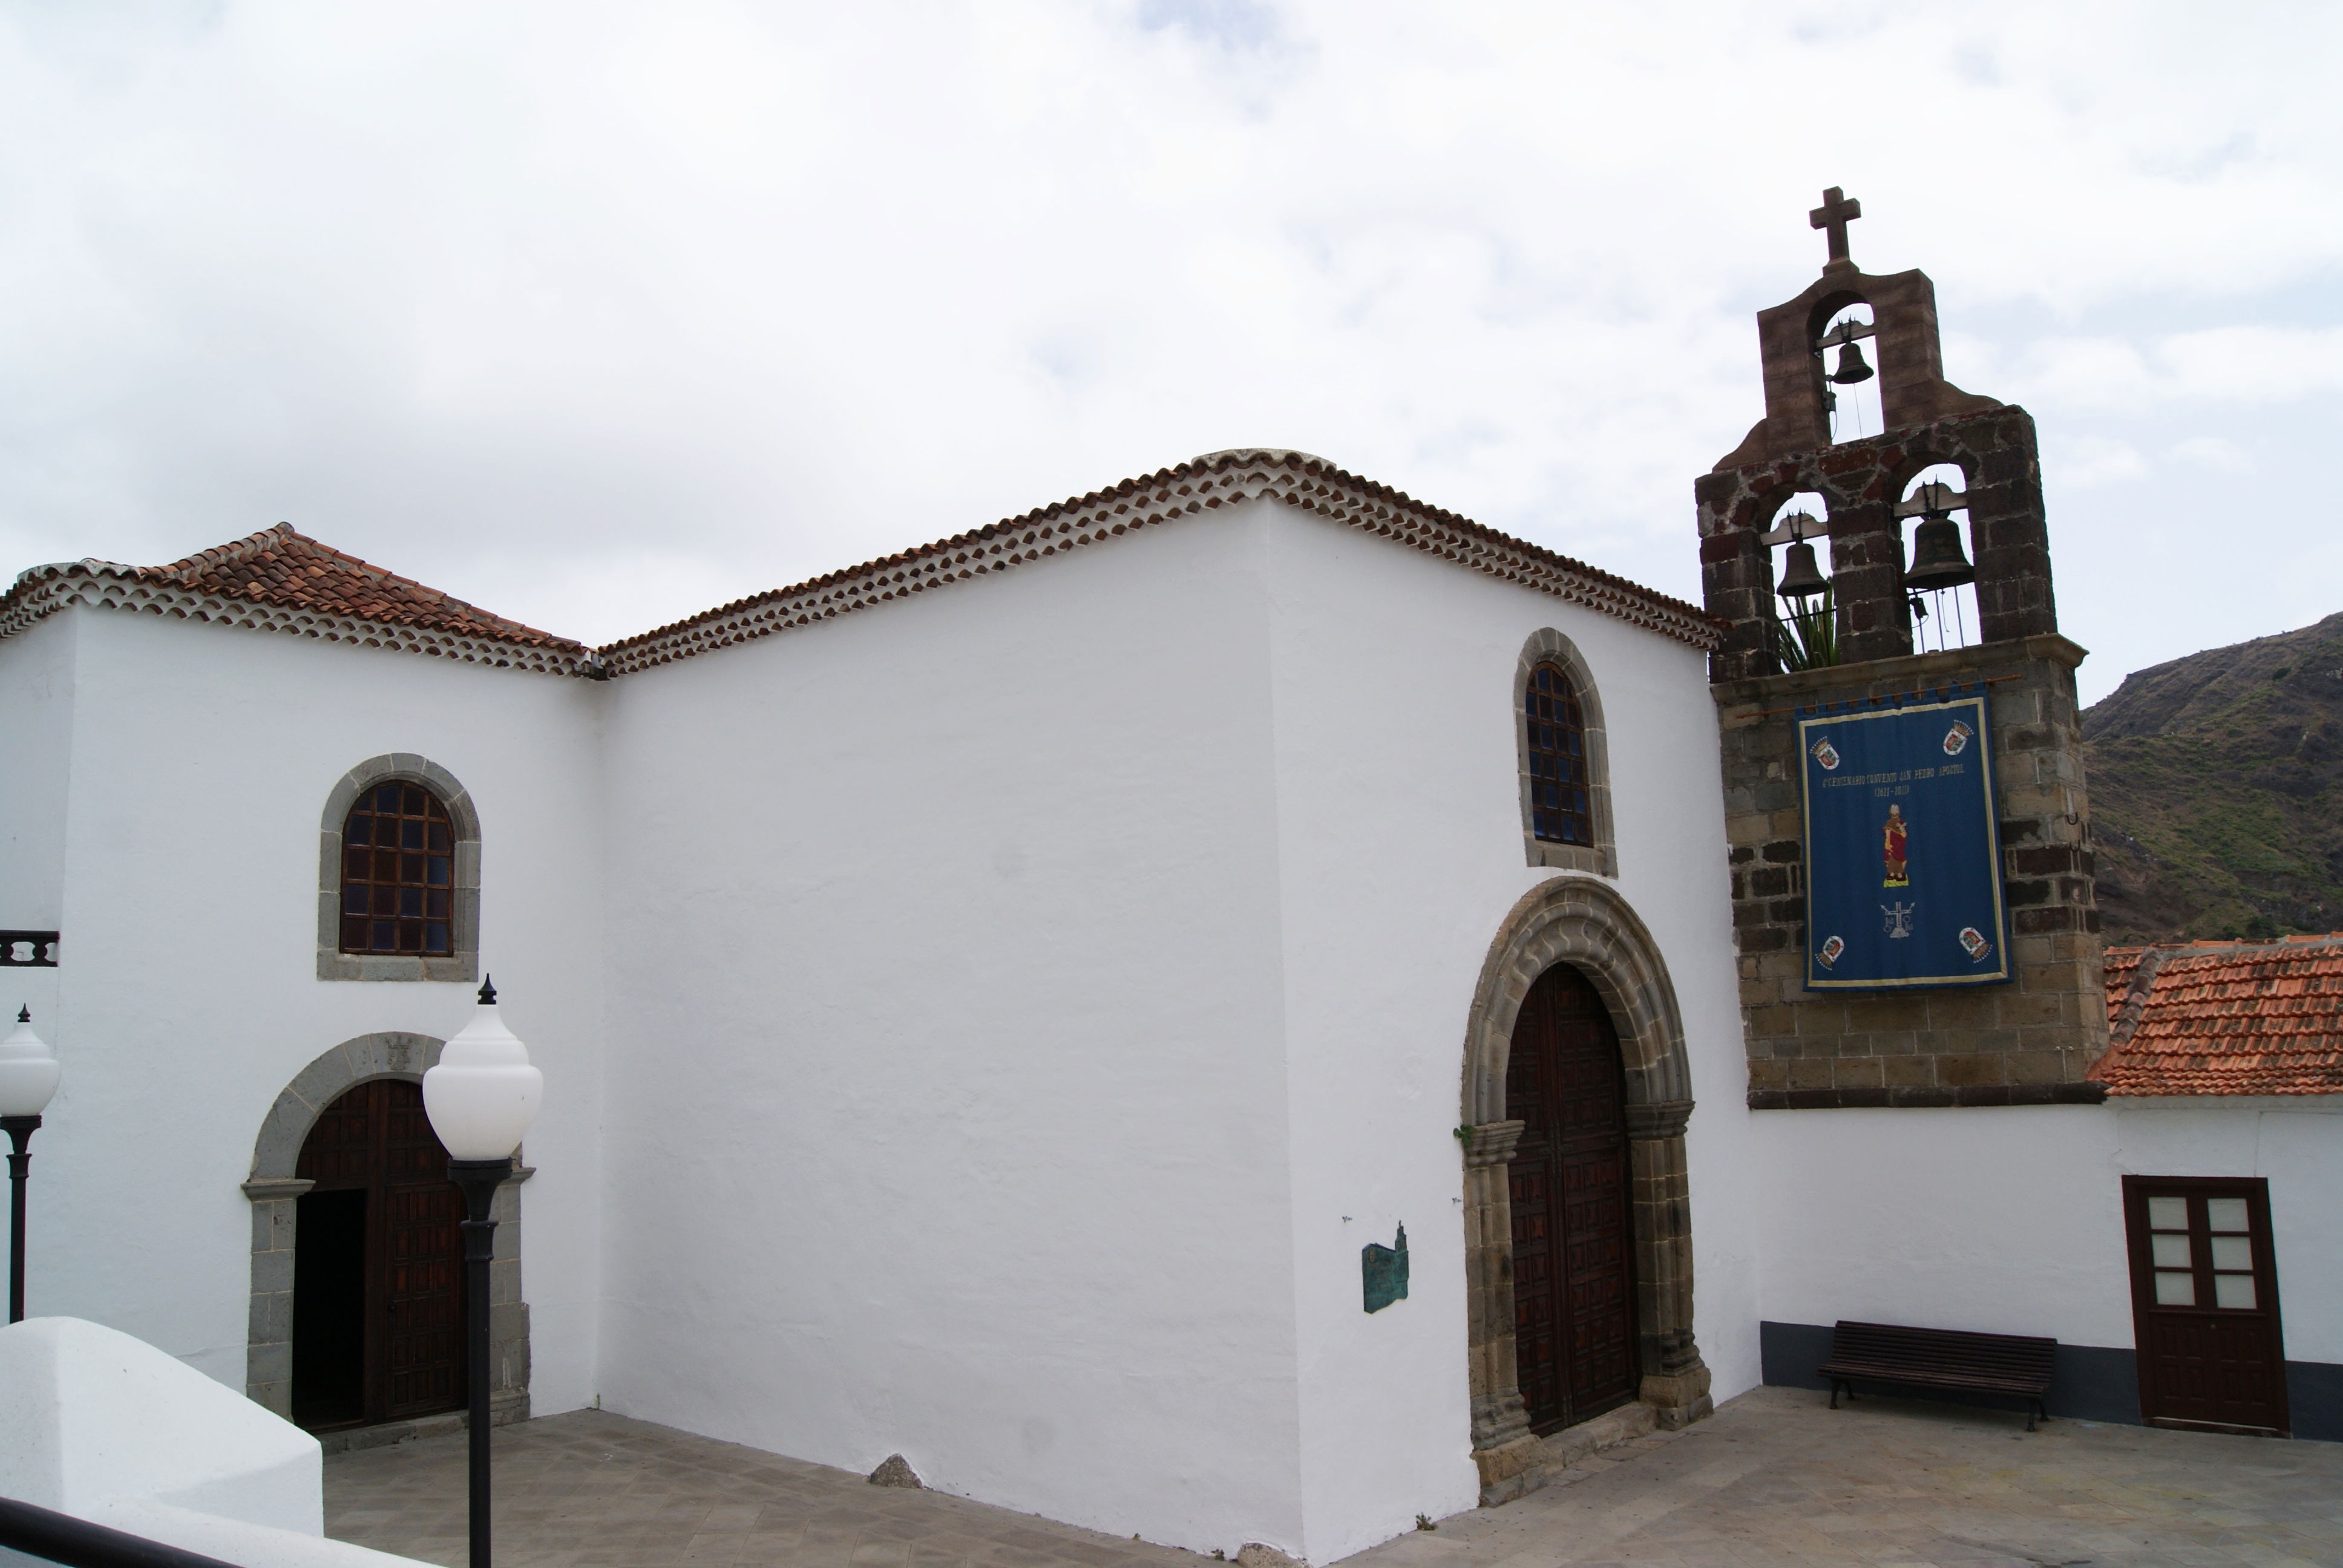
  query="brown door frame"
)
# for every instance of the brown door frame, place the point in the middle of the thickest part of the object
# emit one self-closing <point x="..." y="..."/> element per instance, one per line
<point x="2254" y="1191"/>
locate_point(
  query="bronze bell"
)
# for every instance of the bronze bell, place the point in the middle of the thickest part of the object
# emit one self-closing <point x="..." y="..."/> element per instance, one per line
<point x="1937" y="558"/>
<point x="1851" y="367"/>
<point x="1802" y="576"/>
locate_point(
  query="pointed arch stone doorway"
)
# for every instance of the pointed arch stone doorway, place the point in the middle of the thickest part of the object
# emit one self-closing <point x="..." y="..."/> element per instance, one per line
<point x="1581" y="925"/>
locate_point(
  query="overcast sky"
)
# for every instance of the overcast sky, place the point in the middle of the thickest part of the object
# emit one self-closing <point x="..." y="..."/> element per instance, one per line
<point x="598" y="314"/>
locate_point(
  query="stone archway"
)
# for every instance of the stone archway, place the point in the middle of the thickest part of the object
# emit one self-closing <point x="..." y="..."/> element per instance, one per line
<point x="274" y="1192"/>
<point x="1583" y="921"/>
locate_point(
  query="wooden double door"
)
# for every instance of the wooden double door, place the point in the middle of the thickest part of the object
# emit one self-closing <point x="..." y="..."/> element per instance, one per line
<point x="377" y="1265"/>
<point x="2204" y="1303"/>
<point x="1574" y="1331"/>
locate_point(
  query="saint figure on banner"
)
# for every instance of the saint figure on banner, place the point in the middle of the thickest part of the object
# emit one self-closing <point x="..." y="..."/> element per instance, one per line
<point x="1892" y="848"/>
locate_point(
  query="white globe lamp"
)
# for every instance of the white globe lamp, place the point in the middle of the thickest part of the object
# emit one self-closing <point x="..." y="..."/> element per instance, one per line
<point x="484" y="1094"/>
<point x="481" y="1098"/>
<point x="28" y="1078"/>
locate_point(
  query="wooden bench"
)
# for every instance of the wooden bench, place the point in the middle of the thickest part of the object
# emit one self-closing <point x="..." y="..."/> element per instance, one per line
<point x="1945" y="1359"/>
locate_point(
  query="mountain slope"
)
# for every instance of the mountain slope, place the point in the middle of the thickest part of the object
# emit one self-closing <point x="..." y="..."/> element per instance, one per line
<point x="2217" y="792"/>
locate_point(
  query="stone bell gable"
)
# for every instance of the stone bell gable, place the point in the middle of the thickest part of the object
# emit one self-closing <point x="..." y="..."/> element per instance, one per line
<point x="2027" y="1042"/>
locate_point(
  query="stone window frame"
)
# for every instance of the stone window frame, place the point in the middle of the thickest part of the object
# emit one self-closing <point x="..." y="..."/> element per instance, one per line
<point x="1585" y="922"/>
<point x="462" y="964"/>
<point x="1547" y="646"/>
<point x="274" y="1188"/>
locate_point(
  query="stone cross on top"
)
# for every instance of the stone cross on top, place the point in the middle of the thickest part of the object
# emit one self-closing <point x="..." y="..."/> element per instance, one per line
<point x="1836" y="213"/>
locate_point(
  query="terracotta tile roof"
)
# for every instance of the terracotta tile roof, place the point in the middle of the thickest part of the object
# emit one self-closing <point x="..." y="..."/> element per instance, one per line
<point x="1190" y="489"/>
<point x="2226" y="1018"/>
<point x="280" y="580"/>
<point x="280" y="567"/>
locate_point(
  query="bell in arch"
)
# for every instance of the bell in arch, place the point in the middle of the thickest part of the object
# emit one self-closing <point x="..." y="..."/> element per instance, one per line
<point x="1937" y="560"/>
<point x="1851" y="366"/>
<point x="1801" y="575"/>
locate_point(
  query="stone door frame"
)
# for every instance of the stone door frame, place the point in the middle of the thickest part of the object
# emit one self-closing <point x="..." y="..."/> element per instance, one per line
<point x="1583" y="921"/>
<point x="275" y="1191"/>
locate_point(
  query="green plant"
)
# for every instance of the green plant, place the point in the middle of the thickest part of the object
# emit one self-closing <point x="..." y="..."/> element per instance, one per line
<point x="1808" y="638"/>
<point x="1464" y="1135"/>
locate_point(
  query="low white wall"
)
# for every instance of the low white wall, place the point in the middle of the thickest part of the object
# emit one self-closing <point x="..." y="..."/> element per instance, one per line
<point x="1401" y="853"/>
<point x="108" y="1428"/>
<point x="2011" y="1221"/>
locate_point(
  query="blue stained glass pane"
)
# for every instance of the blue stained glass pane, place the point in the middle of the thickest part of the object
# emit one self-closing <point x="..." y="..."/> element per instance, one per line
<point x="387" y="798"/>
<point x="435" y="939"/>
<point x="438" y="876"/>
<point x="1575" y="742"/>
<point x="354" y="900"/>
<point x="1578" y="802"/>
<point x="1553" y="795"/>
<point x="410" y="834"/>
<point x="410" y="901"/>
<point x="357" y="829"/>
<point x="384" y="939"/>
<point x="1544" y="679"/>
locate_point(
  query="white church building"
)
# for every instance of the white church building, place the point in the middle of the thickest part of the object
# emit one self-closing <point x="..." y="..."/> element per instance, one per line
<point x="998" y="1004"/>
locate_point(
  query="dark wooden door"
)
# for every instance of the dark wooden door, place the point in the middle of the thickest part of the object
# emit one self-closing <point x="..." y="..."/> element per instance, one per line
<point x="1573" y="1229"/>
<point x="403" y="1355"/>
<point x="2204" y="1303"/>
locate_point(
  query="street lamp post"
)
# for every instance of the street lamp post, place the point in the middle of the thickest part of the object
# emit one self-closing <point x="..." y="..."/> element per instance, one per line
<point x="28" y="1076"/>
<point x="480" y="1098"/>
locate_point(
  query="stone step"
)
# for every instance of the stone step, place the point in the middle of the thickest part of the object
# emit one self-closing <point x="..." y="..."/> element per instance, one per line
<point x="1575" y="1444"/>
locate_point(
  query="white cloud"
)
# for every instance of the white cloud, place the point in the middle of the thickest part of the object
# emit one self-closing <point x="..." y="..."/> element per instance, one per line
<point x="2090" y="462"/>
<point x="594" y="314"/>
<point x="2216" y="453"/>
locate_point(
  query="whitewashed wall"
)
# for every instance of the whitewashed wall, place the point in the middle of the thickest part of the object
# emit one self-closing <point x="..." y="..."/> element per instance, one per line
<point x="200" y="762"/>
<point x="2011" y="1221"/>
<point x="948" y="1020"/>
<point x="36" y="678"/>
<point x="1400" y="853"/>
<point x="1088" y="943"/>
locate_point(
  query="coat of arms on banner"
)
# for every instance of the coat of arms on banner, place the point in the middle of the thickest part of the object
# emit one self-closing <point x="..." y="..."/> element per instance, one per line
<point x="1830" y="949"/>
<point x="1974" y="940"/>
<point x="1956" y="738"/>
<point x="1826" y="754"/>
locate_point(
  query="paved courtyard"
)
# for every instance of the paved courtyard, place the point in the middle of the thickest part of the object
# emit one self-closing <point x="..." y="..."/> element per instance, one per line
<point x="1774" y="1479"/>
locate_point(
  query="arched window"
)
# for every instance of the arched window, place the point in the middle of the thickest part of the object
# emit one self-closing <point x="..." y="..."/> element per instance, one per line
<point x="1560" y="810"/>
<point x="1565" y="765"/>
<point x="399" y="873"/>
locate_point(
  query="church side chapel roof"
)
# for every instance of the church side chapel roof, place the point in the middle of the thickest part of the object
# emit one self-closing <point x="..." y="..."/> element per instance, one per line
<point x="1200" y="485"/>
<point x="2226" y="1018"/>
<point x="280" y="580"/>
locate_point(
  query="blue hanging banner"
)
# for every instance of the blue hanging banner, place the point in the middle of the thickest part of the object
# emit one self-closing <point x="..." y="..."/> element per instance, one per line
<point x="1903" y="850"/>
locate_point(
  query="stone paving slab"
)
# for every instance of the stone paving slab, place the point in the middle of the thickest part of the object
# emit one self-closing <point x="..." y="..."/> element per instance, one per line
<point x="1772" y="1479"/>
<point x="1776" y="1479"/>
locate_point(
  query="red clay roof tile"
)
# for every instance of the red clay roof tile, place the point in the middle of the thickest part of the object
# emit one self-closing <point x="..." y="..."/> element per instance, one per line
<point x="2226" y="1018"/>
<point x="280" y="567"/>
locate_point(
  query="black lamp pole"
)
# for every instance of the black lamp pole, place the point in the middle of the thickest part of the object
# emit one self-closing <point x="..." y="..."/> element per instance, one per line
<point x="479" y="1180"/>
<point x="20" y="1165"/>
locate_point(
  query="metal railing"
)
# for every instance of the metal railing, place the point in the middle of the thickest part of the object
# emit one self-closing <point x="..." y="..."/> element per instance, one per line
<point x="55" y="1537"/>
